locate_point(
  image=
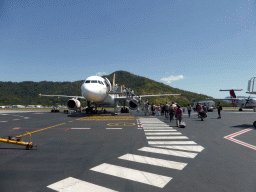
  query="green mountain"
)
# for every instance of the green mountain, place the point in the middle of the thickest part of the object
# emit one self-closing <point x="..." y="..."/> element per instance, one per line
<point x="145" y="86"/>
<point x="26" y="93"/>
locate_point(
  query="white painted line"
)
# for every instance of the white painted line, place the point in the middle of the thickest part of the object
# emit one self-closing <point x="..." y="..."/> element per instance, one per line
<point x="16" y="128"/>
<point x="139" y="128"/>
<point x="168" y="152"/>
<point x="16" y="119"/>
<point x="238" y="133"/>
<point x="3" y="121"/>
<point x="171" y="142"/>
<point x="71" y="184"/>
<point x="167" y="137"/>
<point x="80" y="128"/>
<point x="156" y="125"/>
<point x="26" y="117"/>
<point x="157" y="130"/>
<point x="153" y="161"/>
<point x="231" y="138"/>
<point x="152" y="119"/>
<point x="4" y="114"/>
<point x="196" y="148"/>
<point x="132" y="174"/>
<point x="175" y="133"/>
<point x="153" y="123"/>
<point x="114" y="128"/>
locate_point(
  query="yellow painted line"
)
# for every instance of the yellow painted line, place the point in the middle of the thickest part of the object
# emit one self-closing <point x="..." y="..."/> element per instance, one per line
<point x="41" y="129"/>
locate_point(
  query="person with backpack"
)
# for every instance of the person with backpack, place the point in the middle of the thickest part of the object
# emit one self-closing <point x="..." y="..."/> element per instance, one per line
<point x="178" y="114"/>
<point x="219" y="110"/>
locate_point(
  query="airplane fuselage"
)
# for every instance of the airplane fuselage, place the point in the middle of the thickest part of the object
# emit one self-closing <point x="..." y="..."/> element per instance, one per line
<point x="244" y="103"/>
<point x="95" y="89"/>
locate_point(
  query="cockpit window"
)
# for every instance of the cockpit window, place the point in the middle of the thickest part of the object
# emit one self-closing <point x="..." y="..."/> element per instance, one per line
<point x="87" y="81"/>
<point x="93" y="81"/>
<point x="100" y="82"/>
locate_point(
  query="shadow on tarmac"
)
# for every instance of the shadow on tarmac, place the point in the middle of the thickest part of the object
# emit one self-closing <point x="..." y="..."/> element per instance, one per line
<point x="23" y="149"/>
<point x="243" y="126"/>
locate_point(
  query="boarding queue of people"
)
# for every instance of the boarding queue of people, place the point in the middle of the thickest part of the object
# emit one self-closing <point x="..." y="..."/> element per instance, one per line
<point x="173" y="111"/>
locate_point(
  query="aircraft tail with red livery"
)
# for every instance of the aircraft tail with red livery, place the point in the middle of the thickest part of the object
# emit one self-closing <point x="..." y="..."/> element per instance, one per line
<point x="232" y="94"/>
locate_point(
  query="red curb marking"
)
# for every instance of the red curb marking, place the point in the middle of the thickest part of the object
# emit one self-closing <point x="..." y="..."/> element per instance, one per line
<point x="230" y="137"/>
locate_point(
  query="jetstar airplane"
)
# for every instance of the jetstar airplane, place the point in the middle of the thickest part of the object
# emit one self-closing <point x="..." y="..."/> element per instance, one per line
<point x="99" y="91"/>
<point x="241" y="102"/>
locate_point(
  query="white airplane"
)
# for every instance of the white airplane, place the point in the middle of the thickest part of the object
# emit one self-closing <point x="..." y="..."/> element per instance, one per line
<point x="251" y="90"/>
<point x="99" y="91"/>
<point x="241" y="101"/>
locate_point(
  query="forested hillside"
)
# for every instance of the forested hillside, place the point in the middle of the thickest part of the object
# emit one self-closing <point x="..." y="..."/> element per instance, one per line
<point x="26" y="93"/>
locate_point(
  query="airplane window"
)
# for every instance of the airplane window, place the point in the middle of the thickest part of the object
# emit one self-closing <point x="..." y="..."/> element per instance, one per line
<point x="100" y="82"/>
<point x="93" y="81"/>
<point x="87" y="81"/>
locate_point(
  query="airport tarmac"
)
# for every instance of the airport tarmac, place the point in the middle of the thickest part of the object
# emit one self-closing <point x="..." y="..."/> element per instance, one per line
<point x="128" y="153"/>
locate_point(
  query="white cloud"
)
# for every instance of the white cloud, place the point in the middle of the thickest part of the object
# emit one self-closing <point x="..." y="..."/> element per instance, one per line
<point x="101" y="73"/>
<point x="172" y="78"/>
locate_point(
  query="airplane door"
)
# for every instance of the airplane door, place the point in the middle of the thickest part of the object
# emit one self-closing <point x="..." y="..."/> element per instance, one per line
<point x="109" y="87"/>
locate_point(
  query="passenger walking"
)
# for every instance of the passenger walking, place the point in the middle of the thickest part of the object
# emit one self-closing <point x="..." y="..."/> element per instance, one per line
<point x="205" y="108"/>
<point x="172" y="113"/>
<point x="159" y="110"/>
<point x="166" y="110"/>
<point x="153" y="109"/>
<point x="199" y="108"/>
<point x="162" y="109"/>
<point x="189" y="110"/>
<point x="146" y="109"/>
<point x="219" y="110"/>
<point x="178" y="114"/>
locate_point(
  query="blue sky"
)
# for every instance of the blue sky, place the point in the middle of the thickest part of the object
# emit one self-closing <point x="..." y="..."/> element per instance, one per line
<point x="195" y="45"/>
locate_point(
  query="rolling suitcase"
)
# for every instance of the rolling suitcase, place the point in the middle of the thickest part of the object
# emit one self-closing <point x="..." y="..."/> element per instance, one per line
<point x="182" y="124"/>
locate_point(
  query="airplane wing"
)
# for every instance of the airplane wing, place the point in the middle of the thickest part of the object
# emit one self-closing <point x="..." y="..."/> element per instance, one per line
<point x="161" y="95"/>
<point x="66" y="96"/>
<point x="237" y="99"/>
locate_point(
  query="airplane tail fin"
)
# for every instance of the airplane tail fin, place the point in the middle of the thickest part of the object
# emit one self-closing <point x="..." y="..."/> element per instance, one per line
<point x="232" y="93"/>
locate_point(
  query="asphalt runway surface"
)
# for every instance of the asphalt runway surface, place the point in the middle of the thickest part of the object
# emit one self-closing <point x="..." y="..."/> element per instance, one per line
<point x="128" y="153"/>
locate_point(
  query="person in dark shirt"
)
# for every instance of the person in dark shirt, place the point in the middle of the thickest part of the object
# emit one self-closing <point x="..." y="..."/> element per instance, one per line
<point x="219" y="110"/>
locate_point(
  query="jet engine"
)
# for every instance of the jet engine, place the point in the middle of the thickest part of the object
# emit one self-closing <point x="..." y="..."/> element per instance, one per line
<point x="73" y="104"/>
<point x="133" y="104"/>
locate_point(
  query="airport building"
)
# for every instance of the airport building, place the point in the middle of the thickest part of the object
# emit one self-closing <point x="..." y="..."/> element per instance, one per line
<point x="34" y="106"/>
<point x="18" y="106"/>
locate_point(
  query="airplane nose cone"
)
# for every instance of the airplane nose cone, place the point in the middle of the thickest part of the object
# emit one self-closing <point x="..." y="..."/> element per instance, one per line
<point x="92" y="93"/>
